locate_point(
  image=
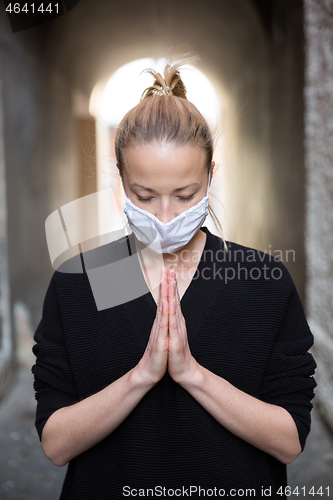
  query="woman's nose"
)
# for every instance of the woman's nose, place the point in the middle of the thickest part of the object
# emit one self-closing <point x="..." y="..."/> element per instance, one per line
<point x="165" y="212"/>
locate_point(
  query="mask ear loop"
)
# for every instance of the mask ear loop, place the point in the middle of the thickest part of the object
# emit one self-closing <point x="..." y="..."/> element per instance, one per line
<point x="208" y="181"/>
<point x="127" y="228"/>
<point x="224" y="242"/>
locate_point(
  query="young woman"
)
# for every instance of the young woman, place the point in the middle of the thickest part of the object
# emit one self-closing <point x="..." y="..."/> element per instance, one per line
<point x="202" y="386"/>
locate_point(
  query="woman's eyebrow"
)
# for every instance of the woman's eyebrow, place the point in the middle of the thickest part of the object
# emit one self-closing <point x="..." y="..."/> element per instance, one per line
<point x="151" y="190"/>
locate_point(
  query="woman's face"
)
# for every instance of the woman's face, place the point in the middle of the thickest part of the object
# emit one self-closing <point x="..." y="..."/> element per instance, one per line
<point x="165" y="179"/>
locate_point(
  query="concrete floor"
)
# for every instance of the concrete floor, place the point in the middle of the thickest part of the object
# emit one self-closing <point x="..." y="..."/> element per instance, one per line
<point x="26" y="474"/>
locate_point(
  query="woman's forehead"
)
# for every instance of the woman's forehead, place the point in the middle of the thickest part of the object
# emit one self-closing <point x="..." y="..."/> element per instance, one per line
<point x="167" y="160"/>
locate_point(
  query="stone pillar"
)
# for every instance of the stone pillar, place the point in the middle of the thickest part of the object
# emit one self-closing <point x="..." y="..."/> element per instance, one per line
<point x="7" y="356"/>
<point x="318" y="25"/>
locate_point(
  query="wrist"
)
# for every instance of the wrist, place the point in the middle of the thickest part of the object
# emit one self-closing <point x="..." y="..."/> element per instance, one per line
<point x="140" y="379"/>
<point x="193" y="378"/>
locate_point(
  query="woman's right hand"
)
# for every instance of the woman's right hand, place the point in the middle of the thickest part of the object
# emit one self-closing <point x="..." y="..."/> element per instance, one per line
<point x="73" y="429"/>
<point x="153" y="364"/>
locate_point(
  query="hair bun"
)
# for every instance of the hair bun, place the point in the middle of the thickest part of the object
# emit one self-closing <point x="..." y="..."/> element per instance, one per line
<point x="168" y="84"/>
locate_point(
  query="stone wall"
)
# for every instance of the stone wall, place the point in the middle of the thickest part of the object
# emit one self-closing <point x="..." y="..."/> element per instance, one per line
<point x="253" y="57"/>
<point x="39" y="157"/>
<point x="7" y="338"/>
<point x="319" y="192"/>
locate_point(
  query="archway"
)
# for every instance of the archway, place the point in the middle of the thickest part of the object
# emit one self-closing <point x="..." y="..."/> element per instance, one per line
<point x="111" y="99"/>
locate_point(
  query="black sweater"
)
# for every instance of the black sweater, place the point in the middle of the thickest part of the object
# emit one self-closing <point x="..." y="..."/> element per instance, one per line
<point x="245" y="323"/>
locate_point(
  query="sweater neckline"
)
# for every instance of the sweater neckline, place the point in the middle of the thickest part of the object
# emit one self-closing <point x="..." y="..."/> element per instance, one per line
<point x="197" y="270"/>
<point x="209" y="245"/>
<point x="195" y="302"/>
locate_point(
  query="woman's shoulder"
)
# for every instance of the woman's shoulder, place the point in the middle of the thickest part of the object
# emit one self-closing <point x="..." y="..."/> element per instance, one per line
<point x="64" y="289"/>
<point x="99" y="278"/>
<point x="241" y="253"/>
<point x="248" y="263"/>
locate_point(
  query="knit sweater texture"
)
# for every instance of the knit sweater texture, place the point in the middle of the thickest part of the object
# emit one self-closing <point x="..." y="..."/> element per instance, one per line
<point x="245" y="323"/>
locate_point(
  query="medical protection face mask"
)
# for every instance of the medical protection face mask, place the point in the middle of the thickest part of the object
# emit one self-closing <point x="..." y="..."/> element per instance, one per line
<point x="166" y="237"/>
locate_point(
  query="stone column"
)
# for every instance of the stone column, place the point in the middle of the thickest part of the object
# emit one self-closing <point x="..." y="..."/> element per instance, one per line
<point x="7" y="359"/>
<point x="318" y="26"/>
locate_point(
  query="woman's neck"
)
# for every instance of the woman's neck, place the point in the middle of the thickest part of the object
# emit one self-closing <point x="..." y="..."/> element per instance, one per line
<point x="187" y="256"/>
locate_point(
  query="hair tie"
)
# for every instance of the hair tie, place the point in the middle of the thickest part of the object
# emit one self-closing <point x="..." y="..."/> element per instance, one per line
<point x="162" y="91"/>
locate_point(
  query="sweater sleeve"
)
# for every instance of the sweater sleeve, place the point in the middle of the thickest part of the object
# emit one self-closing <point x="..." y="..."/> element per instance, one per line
<point x="53" y="382"/>
<point x="288" y="380"/>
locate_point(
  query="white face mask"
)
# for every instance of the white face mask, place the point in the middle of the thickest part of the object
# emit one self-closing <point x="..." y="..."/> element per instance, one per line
<point x="166" y="237"/>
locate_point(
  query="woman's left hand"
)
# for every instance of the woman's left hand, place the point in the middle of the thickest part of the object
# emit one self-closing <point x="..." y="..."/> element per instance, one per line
<point x="181" y="364"/>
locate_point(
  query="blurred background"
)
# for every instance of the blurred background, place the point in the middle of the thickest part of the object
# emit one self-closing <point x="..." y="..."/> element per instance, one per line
<point x="264" y="83"/>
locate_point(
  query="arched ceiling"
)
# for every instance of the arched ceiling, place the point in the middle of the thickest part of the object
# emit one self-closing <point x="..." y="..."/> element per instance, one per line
<point x="95" y="38"/>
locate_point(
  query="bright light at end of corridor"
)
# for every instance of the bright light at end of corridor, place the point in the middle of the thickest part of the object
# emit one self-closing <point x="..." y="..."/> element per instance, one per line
<point x="124" y="88"/>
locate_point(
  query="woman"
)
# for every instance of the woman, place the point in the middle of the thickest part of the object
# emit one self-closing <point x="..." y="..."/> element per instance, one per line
<point x="200" y="387"/>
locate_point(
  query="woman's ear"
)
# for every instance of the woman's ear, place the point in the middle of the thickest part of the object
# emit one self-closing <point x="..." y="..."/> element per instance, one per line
<point x="119" y="171"/>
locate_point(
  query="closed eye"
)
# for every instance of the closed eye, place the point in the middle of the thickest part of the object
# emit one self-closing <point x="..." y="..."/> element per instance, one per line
<point x="185" y="198"/>
<point x="181" y="198"/>
<point x="144" y="199"/>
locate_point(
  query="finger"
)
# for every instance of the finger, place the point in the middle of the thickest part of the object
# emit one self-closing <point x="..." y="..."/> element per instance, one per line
<point x="163" y="280"/>
<point x="176" y="319"/>
<point x="174" y="314"/>
<point x="160" y="325"/>
<point x="179" y="314"/>
<point x="177" y="305"/>
<point x="169" y="279"/>
<point x="171" y="287"/>
<point x="159" y="288"/>
<point x="164" y="289"/>
<point x="159" y="312"/>
<point x="177" y="297"/>
<point x="173" y="324"/>
<point x="168" y="286"/>
<point x="163" y="326"/>
<point x="164" y="304"/>
<point x="160" y="298"/>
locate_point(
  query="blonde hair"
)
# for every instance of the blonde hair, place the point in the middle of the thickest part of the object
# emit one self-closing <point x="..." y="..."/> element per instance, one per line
<point x="165" y="115"/>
